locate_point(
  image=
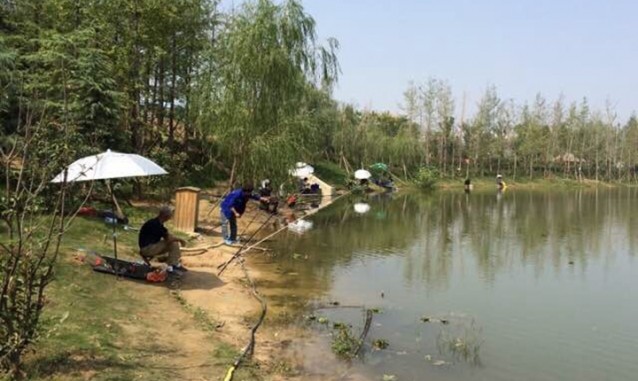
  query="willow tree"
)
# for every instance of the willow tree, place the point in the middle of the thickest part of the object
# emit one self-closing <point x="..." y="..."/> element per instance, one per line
<point x="267" y="54"/>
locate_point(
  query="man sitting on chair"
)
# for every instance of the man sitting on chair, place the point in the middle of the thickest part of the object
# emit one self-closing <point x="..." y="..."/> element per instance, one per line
<point x="154" y="240"/>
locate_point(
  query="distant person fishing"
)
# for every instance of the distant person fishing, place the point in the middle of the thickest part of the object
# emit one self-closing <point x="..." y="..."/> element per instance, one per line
<point x="500" y="184"/>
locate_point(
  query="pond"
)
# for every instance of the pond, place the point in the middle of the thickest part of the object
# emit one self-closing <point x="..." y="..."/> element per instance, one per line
<point x="524" y="285"/>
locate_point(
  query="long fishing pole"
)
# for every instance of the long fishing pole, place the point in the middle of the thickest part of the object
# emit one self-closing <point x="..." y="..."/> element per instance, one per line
<point x="224" y="265"/>
<point x="248" y="350"/>
<point x="217" y="203"/>
<point x="245" y="229"/>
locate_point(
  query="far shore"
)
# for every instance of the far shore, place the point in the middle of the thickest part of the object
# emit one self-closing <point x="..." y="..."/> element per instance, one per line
<point x="535" y="184"/>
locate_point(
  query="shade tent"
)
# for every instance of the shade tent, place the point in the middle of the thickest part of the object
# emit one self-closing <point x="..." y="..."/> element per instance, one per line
<point x="379" y="167"/>
<point x="109" y="165"/>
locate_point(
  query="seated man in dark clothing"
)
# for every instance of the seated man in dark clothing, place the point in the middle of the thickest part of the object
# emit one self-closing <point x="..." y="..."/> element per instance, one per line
<point x="154" y="240"/>
<point x="267" y="201"/>
<point x="266" y="189"/>
<point x="305" y="186"/>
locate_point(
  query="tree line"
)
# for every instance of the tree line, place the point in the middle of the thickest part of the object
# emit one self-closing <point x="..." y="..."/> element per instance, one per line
<point x="245" y="93"/>
<point x="202" y="91"/>
<point x="541" y="139"/>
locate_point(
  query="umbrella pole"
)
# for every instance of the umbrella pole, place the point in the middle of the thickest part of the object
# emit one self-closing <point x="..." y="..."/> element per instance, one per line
<point x="114" y="240"/>
<point x="108" y="185"/>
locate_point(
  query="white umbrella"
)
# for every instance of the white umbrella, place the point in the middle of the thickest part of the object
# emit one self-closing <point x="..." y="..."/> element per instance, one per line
<point x="361" y="208"/>
<point x="362" y="174"/>
<point x="302" y="170"/>
<point x="109" y="165"/>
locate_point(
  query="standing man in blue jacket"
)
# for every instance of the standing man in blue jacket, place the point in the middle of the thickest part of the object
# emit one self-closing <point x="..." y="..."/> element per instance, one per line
<point x="233" y="207"/>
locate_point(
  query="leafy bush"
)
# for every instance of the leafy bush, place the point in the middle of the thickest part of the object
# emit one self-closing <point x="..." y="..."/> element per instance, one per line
<point x="426" y="178"/>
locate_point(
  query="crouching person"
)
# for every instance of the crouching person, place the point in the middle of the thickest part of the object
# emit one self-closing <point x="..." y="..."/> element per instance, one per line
<point x="154" y="240"/>
<point x="232" y="208"/>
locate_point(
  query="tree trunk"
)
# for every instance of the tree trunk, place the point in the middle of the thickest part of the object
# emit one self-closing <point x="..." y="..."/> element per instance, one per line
<point x="187" y="119"/>
<point x="233" y="170"/>
<point x="171" y="120"/>
<point x="147" y="89"/>
<point x="531" y="168"/>
<point x="134" y="93"/>
<point x="162" y="83"/>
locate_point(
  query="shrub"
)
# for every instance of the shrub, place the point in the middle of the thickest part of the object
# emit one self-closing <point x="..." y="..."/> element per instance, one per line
<point x="426" y="178"/>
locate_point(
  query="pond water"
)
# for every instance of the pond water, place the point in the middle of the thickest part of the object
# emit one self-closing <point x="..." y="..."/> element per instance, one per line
<point x="525" y="285"/>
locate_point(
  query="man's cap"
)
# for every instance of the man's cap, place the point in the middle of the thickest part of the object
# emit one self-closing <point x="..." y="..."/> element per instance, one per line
<point x="166" y="210"/>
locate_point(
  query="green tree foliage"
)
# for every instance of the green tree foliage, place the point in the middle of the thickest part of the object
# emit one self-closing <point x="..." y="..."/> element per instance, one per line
<point x="257" y="110"/>
<point x="40" y="119"/>
<point x="538" y="140"/>
<point x="246" y="93"/>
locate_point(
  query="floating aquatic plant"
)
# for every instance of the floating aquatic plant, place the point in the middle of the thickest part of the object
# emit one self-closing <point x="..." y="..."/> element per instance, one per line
<point x="380" y="344"/>
<point x="462" y="342"/>
<point x="344" y="342"/>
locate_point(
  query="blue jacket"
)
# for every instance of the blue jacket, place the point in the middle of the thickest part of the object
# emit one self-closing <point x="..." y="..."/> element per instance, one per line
<point x="236" y="200"/>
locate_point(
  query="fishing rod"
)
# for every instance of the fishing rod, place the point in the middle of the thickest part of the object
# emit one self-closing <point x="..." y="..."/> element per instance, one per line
<point x="248" y="349"/>
<point x="249" y="224"/>
<point x="217" y="204"/>
<point x="224" y="265"/>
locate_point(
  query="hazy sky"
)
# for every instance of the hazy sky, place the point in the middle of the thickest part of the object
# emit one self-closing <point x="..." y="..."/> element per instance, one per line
<point x="578" y="48"/>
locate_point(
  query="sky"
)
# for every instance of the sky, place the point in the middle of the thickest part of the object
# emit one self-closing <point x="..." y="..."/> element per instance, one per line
<point x="575" y="48"/>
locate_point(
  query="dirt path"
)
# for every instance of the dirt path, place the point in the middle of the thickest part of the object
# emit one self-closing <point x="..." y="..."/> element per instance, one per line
<point x="169" y="339"/>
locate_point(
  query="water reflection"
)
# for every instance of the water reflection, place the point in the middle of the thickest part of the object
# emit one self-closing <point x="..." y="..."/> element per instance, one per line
<point x="361" y="208"/>
<point x="522" y="265"/>
<point x="460" y="340"/>
<point x="543" y="230"/>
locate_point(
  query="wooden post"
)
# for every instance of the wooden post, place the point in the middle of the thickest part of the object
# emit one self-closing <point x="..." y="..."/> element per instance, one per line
<point x="186" y="209"/>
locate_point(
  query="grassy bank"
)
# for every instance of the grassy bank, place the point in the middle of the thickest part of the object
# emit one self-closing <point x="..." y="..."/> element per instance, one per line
<point x="335" y="175"/>
<point x="99" y="327"/>
<point x="540" y="184"/>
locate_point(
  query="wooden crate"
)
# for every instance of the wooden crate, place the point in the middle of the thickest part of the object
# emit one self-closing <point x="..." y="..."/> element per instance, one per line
<point x="186" y="209"/>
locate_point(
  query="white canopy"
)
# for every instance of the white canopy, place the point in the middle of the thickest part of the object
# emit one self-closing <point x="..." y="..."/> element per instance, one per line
<point x="109" y="165"/>
<point x="362" y="174"/>
<point x="302" y="170"/>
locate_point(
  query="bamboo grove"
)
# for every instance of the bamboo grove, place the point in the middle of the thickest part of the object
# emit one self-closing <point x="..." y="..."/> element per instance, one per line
<point x="210" y="92"/>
